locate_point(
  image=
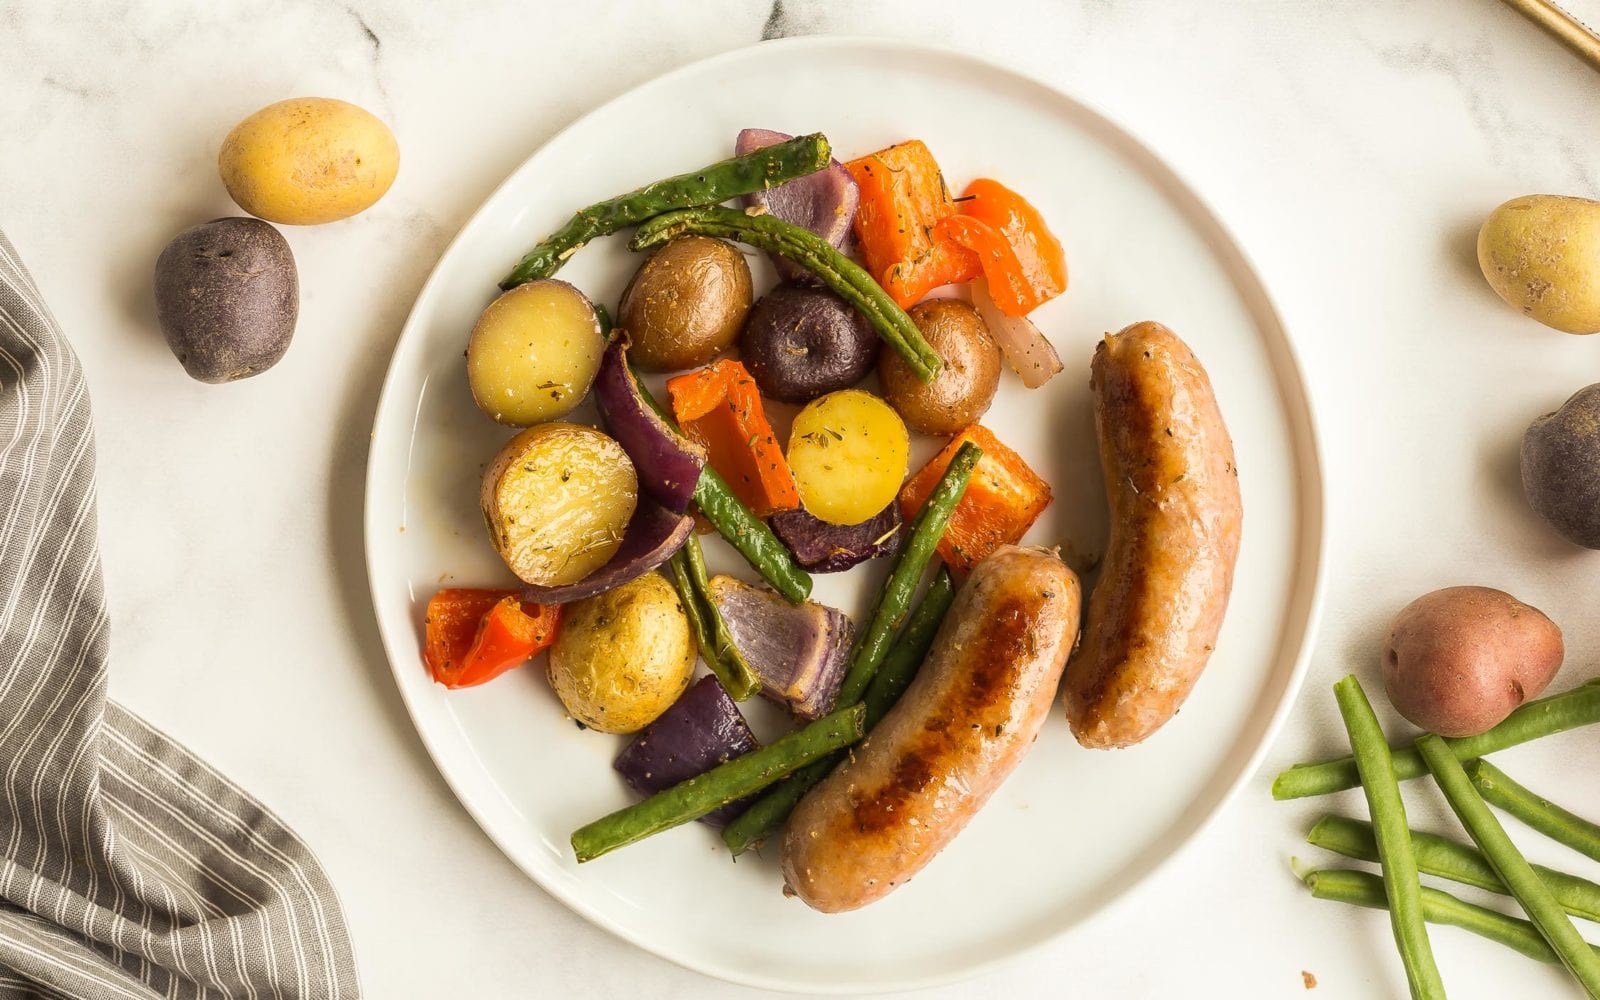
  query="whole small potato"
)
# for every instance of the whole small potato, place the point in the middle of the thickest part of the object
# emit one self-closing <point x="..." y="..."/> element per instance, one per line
<point x="967" y="381"/>
<point x="308" y="160"/>
<point x="1541" y="253"/>
<point x="624" y="656"/>
<point x="1457" y="661"/>
<point x="534" y="353"/>
<point x="802" y="342"/>
<point x="1561" y="468"/>
<point x="227" y="296"/>
<point x="685" y="304"/>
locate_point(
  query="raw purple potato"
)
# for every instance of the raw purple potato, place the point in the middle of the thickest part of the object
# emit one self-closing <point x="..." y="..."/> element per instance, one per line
<point x="1561" y="468"/>
<point x="801" y="342"/>
<point x="652" y="536"/>
<point x="798" y="652"/>
<point x="824" y="202"/>
<point x="831" y="548"/>
<point x="702" y="729"/>
<point x="668" y="463"/>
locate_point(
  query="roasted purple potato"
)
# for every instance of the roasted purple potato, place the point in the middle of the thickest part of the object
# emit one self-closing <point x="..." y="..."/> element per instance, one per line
<point x="702" y="729"/>
<point x="801" y="342"/>
<point x="832" y="548"/>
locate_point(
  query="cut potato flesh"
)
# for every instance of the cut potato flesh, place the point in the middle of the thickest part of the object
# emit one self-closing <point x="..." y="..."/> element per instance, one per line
<point x="556" y="500"/>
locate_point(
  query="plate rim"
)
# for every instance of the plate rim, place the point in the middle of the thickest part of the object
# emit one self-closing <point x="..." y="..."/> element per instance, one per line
<point x="1313" y="503"/>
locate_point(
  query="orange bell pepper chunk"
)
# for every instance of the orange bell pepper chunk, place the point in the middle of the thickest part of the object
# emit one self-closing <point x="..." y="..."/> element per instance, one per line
<point x="473" y="636"/>
<point x="720" y="407"/>
<point x="1003" y="499"/>
<point x="1022" y="260"/>
<point x="903" y="196"/>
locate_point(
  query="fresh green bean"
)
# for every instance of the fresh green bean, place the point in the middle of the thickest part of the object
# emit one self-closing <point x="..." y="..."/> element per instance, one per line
<point x="738" y="525"/>
<point x="727" y="649"/>
<point x="717" y="182"/>
<point x="769" y="812"/>
<point x="1400" y="882"/>
<point x="843" y="276"/>
<point x="1554" y="822"/>
<point x="908" y="652"/>
<point x="1453" y="860"/>
<point x="736" y="676"/>
<point x="1544" y="717"/>
<point x="1438" y="907"/>
<point x="727" y="782"/>
<point x="1508" y="863"/>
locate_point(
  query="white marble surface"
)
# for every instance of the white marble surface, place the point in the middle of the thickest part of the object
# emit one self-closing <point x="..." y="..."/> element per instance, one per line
<point x="1353" y="146"/>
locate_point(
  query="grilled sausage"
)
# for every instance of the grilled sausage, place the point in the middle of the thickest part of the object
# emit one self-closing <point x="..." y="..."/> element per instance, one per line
<point x="1175" y="517"/>
<point x="961" y="727"/>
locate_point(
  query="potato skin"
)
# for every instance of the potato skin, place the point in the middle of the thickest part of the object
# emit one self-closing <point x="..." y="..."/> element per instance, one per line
<point x="966" y="383"/>
<point x="1561" y="467"/>
<point x="623" y="657"/>
<point x="227" y="296"/>
<point x="685" y="304"/>
<point x="1457" y="661"/>
<point x="308" y="160"/>
<point x="802" y="342"/>
<point x="534" y="353"/>
<point x="1541" y="254"/>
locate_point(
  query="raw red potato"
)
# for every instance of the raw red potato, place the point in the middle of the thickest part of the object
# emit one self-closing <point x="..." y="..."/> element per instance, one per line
<point x="473" y="636"/>
<point x="1003" y="499"/>
<point x="702" y="729"/>
<point x="824" y="202"/>
<point x="799" y="653"/>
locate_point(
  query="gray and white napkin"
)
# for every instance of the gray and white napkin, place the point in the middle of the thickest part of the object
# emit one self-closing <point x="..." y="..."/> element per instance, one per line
<point x="128" y="867"/>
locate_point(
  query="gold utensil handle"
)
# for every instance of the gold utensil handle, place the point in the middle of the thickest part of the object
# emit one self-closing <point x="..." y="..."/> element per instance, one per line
<point x="1561" y="26"/>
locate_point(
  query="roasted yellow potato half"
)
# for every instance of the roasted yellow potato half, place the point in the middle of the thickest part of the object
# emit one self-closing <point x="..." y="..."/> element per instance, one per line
<point x="556" y="501"/>
<point x="848" y="451"/>
<point x="534" y="353"/>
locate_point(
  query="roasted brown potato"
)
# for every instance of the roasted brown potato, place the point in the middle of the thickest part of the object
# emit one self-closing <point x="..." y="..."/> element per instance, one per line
<point x="685" y="304"/>
<point x="965" y="385"/>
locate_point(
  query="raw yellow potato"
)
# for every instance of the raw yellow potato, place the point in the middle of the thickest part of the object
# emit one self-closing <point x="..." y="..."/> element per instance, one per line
<point x="624" y="656"/>
<point x="534" y="353"/>
<point x="848" y="451"/>
<point x="308" y="160"/>
<point x="556" y="500"/>
<point x="1541" y="253"/>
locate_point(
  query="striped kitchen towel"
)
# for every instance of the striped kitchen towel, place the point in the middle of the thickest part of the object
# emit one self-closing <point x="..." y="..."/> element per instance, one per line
<point x="128" y="867"/>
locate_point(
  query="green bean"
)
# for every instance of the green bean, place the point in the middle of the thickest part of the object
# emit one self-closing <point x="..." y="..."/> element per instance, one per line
<point x="739" y="683"/>
<point x="1400" y="883"/>
<point x="727" y="782"/>
<point x="717" y="182"/>
<point x="1553" y="923"/>
<point x="769" y="812"/>
<point x="735" y="522"/>
<point x="1554" y="822"/>
<point x="1453" y="860"/>
<point x="900" y="666"/>
<point x="727" y="649"/>
<point x="1438" y="907"/>
<point x="1544" y="717"/>
<point x="894" y="600"/>
<point x="843" y="276"/>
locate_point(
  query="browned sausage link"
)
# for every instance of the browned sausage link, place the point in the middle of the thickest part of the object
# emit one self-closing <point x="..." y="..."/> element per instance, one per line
<point x="1175" y="516"/>
<point x="962" y="726"/>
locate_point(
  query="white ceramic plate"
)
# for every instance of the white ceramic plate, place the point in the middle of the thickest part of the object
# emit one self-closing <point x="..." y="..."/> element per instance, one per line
<point x="1072" y="830"/>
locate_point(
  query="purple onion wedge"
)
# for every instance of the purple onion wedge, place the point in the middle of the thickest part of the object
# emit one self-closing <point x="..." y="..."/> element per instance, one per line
<point x="831" y="548"/>
<point x="824" y="202"/>
<point x="668" y="463"/>
<point x="702" y="729"/>
<point x="799" y="653"/>
<point x="652" y="536"/>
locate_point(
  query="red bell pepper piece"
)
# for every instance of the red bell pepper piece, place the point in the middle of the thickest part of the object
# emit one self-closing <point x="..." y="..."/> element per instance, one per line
<point x="473" y="636"/>
<point x="1022" y="260"/>
<point x="720" y="407"/>
<point x="903" y="195"/>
